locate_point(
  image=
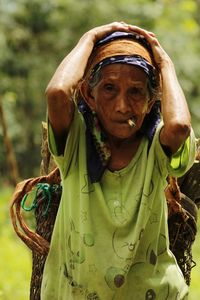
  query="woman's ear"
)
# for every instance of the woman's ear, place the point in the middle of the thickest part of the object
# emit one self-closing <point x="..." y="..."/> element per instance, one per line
<point x="87" y="95"/>
<point x="150" y="104"/>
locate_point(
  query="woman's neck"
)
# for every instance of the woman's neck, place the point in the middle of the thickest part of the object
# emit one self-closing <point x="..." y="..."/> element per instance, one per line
<point x="122" y="152"/>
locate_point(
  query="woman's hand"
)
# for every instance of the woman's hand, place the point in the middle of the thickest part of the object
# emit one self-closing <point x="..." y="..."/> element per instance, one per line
<point x="97" y="33"/>
<point x="160" y="56"/>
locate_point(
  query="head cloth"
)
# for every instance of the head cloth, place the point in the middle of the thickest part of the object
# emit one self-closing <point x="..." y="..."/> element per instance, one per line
<point x="126" y="48"/>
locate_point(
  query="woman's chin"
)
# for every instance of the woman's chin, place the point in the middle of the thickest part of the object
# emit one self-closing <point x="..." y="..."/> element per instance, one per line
<point x="124" y="135"/>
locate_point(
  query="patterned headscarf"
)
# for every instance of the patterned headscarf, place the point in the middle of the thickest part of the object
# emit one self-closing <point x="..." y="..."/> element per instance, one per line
<point x="125" y="48"/>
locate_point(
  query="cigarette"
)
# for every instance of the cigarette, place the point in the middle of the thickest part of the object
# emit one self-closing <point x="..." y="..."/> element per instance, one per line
<point x="131" y="122"/>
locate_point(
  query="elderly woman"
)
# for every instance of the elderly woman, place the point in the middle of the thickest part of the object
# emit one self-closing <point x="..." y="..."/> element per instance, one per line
<point x="115" y="150"/>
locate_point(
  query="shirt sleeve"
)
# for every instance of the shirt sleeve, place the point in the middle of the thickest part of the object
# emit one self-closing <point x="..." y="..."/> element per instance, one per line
<point x="67" y="160"/>
<point x="181" y="161"/>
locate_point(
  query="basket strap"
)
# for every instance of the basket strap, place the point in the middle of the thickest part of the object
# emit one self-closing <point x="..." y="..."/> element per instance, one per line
<point x="33" y="240"/>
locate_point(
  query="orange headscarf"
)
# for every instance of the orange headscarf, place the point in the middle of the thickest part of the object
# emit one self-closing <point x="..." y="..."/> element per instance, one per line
<point x="118" y="47"/>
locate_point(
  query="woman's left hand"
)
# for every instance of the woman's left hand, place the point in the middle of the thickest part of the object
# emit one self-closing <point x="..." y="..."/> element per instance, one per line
<point x="160" y="56"/>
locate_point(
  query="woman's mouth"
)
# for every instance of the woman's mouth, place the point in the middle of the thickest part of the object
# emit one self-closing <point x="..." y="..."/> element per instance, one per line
<point x="131" y="122"/>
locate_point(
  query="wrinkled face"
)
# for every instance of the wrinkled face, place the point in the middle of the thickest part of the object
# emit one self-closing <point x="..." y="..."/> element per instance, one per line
<point x="120" y="94"/>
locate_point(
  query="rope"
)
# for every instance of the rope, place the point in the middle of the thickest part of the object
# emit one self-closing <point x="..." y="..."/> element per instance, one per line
<point x="34" y="203"/>
<point x="46" y="190"/>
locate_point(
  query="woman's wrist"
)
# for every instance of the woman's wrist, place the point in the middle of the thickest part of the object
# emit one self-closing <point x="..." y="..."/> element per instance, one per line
<point x="89" y="38"/>
<point x="166" y="64"/>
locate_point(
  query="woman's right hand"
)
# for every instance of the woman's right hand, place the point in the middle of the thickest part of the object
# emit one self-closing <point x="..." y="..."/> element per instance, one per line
<point x="97" y="33"/>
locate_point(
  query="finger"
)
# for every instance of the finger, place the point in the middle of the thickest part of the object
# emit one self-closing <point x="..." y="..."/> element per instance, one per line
<point x="142" y="31"/>
<point x="100" y="31"/>
<point x="105" y="29"/>
<point x="151" y="33"/>
<point x="124" y="24"/>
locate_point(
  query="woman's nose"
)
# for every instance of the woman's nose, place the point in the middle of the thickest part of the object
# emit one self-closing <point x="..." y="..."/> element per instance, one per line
<point x="122" y="104"/>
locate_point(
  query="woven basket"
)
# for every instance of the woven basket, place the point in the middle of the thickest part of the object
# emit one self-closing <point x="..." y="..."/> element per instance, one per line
<point x="44" y="227"/>
<point x="182" y="231"/>
<point x="39" y="239"/>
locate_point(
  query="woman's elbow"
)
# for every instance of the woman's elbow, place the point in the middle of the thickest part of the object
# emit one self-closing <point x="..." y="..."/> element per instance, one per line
<point x="54" y="91"/>
<point x="182" y="129"/>
<point x="179" y="131"/>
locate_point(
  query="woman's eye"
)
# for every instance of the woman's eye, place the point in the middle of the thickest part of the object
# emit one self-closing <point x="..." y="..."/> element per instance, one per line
<point x="109" y="87"/>
<point x="135" y="91"/>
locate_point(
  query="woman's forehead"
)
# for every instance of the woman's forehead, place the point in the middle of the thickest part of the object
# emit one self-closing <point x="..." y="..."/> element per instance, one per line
<point x="122" y="71"/>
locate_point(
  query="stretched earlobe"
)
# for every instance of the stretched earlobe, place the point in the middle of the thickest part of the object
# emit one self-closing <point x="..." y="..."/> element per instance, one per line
<point x="150" y="105"/>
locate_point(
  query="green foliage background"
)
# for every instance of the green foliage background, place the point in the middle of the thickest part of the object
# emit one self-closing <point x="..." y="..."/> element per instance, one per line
<point x="34" y="37"/>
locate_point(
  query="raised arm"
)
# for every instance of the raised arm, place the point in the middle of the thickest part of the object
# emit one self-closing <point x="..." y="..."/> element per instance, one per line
<point x="64" y="82"/>
<point x="176" y="115"/>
